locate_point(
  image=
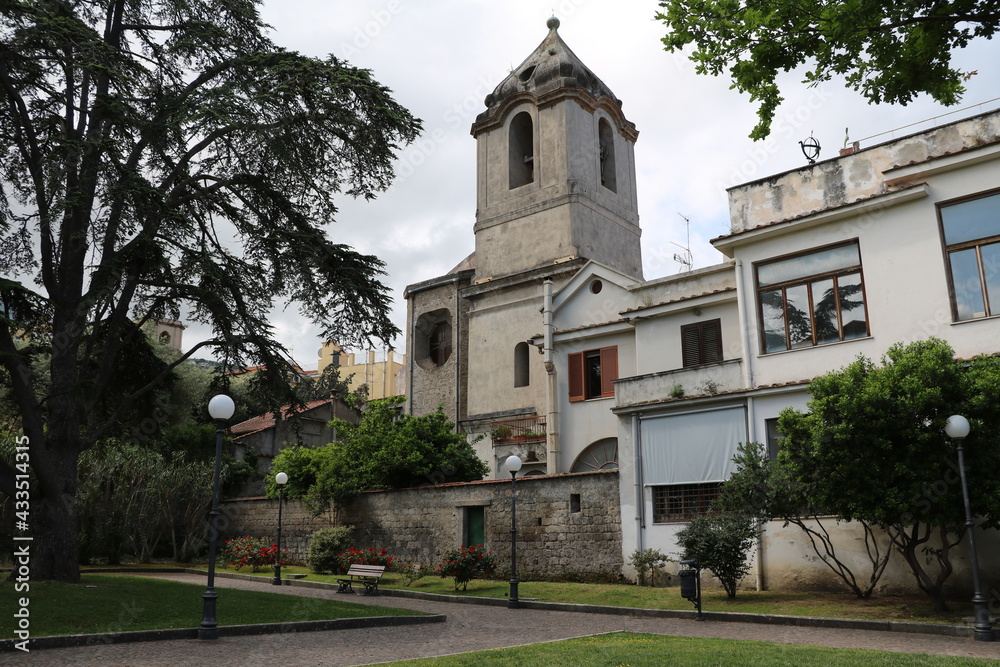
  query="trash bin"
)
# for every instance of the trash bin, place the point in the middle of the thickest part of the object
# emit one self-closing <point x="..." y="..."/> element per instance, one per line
<point x="689" y="584"/>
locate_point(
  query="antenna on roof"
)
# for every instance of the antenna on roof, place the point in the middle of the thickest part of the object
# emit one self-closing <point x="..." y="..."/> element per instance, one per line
<point x="685" y="259"/>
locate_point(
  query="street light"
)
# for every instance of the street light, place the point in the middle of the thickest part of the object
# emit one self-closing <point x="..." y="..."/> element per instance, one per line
<point x="513" y="464"/>
<point x="282" y="479"/>
<point x="221" y="408"/>
<point x="957" y="429"/>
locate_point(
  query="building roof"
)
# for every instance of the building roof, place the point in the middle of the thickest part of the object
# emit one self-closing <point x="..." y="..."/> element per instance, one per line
<point x="551" y="66"/>
<point x="268" y="420"/>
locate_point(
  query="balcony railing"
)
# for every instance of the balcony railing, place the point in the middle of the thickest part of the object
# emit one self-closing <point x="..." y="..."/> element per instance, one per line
<point x="521" y="429"/>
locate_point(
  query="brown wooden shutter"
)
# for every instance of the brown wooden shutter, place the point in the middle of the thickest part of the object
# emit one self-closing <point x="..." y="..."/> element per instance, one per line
<point x="576" y="390"/>
<point x="690" y="345"/>
<point x="609" y="370"/>
<point x="701" y="343"/>
<point x="711" y="342"/>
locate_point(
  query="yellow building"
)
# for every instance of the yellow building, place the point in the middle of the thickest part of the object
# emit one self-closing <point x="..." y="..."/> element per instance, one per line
<point x="377" y="370"/>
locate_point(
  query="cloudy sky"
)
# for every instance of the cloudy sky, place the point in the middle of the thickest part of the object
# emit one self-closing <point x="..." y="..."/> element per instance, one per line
<point x="442" y="57"/>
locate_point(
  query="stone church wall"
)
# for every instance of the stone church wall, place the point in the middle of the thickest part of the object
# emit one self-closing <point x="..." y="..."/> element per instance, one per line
<point x="568" y="526"/>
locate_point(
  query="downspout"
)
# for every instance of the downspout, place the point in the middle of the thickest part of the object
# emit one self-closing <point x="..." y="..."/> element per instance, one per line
<point x="640" y="500"/>
<point x="552" y="417"/>
<point x="409" y="355"/>
<point x="741" y="299"/>
<point x="458" y="359"/>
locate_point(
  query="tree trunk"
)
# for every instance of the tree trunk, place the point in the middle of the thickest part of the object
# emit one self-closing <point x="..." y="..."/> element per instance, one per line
<point x="54" y="545"/>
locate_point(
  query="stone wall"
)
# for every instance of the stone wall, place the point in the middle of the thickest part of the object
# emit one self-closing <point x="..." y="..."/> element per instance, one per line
<point x="568" y="526"/>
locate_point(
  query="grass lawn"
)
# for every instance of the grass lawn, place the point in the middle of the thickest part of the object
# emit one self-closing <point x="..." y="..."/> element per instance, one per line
<point x="794" y="603"/>
<point x="641" y="650"/>
<point x="117" y="603"/>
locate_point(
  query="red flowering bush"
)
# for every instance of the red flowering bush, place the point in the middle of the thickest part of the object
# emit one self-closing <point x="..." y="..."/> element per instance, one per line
<point x="366" y="556"/>
<point x="252" y="552"/>
<point x="467" y="563"/>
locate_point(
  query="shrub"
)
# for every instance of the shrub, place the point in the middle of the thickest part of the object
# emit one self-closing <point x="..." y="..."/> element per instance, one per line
<point x="410" y="572"/>
<point x="324" y="547"/>
<point x="467" y="563"/>
<point x="647" y="559"/>
<point x="366" y="556"/>
<point x="722" y="542"/>
<point x="252" y="552"/>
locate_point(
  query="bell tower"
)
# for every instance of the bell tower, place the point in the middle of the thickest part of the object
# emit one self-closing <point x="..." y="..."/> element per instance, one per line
<point x="555" y="169"/>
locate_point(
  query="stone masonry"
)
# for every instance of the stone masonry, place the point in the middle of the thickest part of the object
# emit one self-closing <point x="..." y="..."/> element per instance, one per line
<point x="568" y="526"/>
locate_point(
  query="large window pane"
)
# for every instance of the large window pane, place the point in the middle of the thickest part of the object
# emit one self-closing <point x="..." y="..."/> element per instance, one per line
<point x="813" y="264"/>
<point x="825" y="311"/>
<point x="812" y="299"/>
<point x="797" y="311"/>
<point x="852" y="306"/>
<point x="773" y="309"/>
<point x="968" y="289"/>
<point x="991" y="270"/>
<point x="971" y="220"/>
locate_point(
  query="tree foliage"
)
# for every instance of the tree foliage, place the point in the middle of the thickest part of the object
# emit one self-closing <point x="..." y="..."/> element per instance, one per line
<point x="888" y="51"/>
<point x="386" y="450"/>
<point x="873" y="448"/>
<point x="721" y="542"/>
<point x="165" y="157"/>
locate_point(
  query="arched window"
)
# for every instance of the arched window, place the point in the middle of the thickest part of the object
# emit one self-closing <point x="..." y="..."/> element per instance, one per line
<point x="165" y="338"/>
<point x="521" y="375"/>
<point x="521" y="136"/>
<point x="606" y="141"/>
<point x="601" y="455"/>
<point x="432" y="339"/>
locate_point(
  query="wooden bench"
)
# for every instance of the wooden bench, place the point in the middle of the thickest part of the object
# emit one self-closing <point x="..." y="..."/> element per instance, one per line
<point x="366" y="575"/>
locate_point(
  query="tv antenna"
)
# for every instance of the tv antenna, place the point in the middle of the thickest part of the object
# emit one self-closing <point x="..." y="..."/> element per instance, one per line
<point x="685" y="259"/>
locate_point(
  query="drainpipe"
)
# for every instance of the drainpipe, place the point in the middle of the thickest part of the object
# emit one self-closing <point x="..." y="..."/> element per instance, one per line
<point x="640" y="500"/>
<point x="458" y="359"/>
<point x="741" y="299"/>
<point x="552" y="418"/>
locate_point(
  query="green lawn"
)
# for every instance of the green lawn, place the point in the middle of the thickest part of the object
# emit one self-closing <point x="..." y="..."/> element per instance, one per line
<point x="642" y="650"/>
<point x="793" y="603"/>
<point x="117" y="603"/>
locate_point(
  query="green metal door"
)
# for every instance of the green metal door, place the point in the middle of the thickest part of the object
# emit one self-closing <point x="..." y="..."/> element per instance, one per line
<point x="475" y="525"/>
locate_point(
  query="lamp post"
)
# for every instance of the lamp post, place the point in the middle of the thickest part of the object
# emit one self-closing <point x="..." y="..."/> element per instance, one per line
<point x="282" y="479"/>
<point x="957" y="429"/>
<point x="513" y="464"/>
<point x="221" y="408"/>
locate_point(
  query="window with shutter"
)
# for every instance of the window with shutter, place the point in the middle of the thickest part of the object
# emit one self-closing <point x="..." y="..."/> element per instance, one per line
<point x="701" y="343"/>
<point x="592" y="373"/>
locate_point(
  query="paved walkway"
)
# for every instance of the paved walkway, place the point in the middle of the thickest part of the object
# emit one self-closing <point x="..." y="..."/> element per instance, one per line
<point x="469" y="627"/>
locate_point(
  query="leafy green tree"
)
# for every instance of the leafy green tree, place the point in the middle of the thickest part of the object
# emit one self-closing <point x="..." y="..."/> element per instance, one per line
<point x="721" y="541"/>
<point x="386" y="450"/>
<point x="873" y="448"/>
<point x="160" y="157"/>
<point x="888" y="51"/>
